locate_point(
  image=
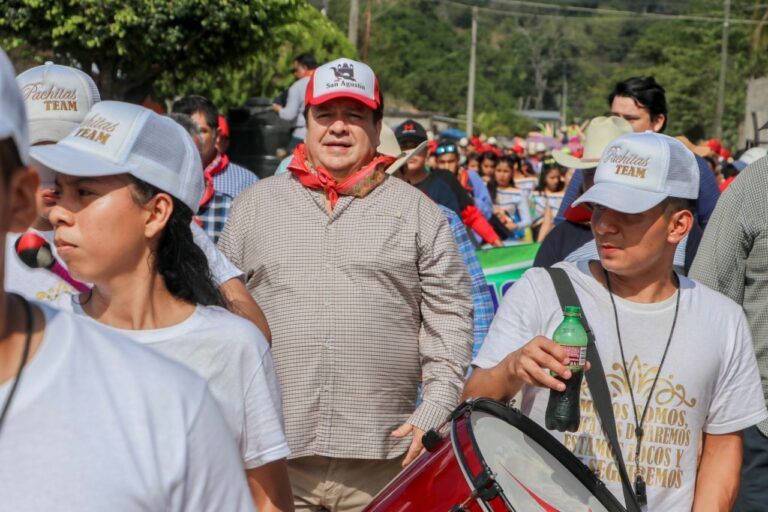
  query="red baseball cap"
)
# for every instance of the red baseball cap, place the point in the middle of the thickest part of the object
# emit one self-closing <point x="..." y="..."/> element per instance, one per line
<point x="343" y="78"/>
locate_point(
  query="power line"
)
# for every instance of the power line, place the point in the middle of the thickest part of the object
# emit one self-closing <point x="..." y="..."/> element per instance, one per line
<point x="604" y="13"/>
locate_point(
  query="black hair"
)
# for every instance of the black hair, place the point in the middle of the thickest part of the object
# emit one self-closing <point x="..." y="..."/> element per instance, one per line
<point x="676" y="204"/>
<point x="178" y="258"/>
<point x="473" y="156"/>
<point x="193" y="104"/>
<point x="10" y="161"/>
<point x="307" y="60"/>
<point x="488" y="155"/>
<point x="646" y="92"/>
<point x="542" y="186"/>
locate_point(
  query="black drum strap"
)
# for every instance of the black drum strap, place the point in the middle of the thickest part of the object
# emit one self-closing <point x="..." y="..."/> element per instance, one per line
<point x="598" y="386"/>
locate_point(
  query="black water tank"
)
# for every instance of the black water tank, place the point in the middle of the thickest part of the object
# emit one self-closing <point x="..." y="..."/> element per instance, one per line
<point x="256" y="133"/>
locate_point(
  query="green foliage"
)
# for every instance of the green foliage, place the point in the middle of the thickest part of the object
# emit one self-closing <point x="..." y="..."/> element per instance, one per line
<point x="268" y="71"/>
<point x="229" y="48"/>
<point x="421" y="48"/>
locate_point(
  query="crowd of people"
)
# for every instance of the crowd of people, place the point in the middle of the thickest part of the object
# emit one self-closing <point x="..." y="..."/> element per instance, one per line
<point x="179" y="335"/>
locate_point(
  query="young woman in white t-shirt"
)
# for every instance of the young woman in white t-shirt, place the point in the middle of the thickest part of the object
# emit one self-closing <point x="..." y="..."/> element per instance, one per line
<point x="151" y="282"/>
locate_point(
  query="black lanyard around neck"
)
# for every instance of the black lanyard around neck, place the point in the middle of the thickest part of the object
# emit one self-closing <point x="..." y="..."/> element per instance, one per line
<point x="24" y="357"/>
<point x="640" y="490"/>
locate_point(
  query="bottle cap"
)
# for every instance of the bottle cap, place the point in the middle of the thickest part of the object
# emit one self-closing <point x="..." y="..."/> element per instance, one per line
<point x="572" y="311"/>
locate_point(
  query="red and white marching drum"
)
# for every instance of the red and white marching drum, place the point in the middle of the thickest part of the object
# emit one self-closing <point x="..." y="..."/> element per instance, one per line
<point x="490" y="457"/>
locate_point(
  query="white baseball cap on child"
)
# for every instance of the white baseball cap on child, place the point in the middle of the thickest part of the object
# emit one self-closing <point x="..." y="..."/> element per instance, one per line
<point x="117" y="138"/>
<point x="637" y="171"/>
<point x="57" y="98"/>
<point x="13" y="120"/>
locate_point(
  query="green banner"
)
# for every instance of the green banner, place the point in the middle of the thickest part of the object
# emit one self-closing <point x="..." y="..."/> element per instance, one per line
<point x="504" y="265"/>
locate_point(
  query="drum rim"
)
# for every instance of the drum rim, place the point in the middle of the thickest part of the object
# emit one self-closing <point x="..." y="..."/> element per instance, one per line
<point x="543" y="438"/>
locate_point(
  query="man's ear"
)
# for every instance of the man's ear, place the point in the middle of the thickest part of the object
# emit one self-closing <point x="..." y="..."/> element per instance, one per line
<point x="658" y="122"/>
<point x="22" y="211"/>
<point x="680" y="224"/>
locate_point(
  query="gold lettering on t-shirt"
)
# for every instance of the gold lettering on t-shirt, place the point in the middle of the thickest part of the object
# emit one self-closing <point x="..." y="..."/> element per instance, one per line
<point x="666" y="432"/>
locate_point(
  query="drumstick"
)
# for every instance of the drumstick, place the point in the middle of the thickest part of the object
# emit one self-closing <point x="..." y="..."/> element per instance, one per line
<point x="36" y="252"/>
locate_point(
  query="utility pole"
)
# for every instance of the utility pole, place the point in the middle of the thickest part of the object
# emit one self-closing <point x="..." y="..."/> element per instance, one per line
<point x="723" y="68"/>
<point x="471" y="88"/>
<point x="367" y="37"/>
<point x="354" y="15"/>
<point x="564" y="104"/>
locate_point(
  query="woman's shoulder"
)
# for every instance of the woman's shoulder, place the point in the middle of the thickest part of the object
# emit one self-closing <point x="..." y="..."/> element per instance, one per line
<point x="231" y="327"/>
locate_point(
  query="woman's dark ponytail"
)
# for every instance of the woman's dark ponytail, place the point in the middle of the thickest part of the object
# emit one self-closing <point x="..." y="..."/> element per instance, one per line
<point x="178" y="258"/>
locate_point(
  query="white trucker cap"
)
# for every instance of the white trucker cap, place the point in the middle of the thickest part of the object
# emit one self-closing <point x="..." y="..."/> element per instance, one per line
<point x="637" y="171"/>
<point x="13" y="120"/>
<point x="117" y="138"/>
<point x="343" y="78"/>
<point x="57" y="99"/>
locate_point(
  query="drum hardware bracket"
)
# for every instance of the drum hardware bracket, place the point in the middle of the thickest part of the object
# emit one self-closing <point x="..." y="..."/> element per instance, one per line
<point x="485" y="485"/>
<point x="431" y="440"/>
<point x="463" y="409"/>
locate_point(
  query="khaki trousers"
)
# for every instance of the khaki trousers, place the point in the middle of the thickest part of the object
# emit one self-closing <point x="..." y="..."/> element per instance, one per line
<point x="338" y="485"/>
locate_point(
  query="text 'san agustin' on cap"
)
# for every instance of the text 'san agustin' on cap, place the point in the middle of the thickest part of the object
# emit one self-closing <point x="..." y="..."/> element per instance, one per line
<point x="57" y="99"/>
<point x="343" y="78"/>
<point x="637" y="171"/>
<point x="122" y="138"/>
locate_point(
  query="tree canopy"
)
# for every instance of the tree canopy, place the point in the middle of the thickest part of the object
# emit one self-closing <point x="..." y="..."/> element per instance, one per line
<point x="421" y="48"/>
<point x="226" y="49"/>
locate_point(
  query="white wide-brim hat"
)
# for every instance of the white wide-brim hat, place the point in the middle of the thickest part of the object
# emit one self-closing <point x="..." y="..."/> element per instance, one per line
<point x="600" y="131"/>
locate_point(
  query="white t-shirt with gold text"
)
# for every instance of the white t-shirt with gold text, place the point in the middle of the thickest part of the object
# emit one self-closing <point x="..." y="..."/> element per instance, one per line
<point x="709" y="381"/>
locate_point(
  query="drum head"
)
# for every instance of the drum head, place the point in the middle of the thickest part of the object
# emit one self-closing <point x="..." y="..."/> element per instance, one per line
<point x="534" y="471"/>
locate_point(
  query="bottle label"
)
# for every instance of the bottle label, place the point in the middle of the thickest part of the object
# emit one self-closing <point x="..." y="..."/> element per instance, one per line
<point x="577" y="357"/>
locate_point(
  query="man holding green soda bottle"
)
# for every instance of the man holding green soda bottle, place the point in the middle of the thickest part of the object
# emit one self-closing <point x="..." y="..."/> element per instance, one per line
<point x="677" y="356"/>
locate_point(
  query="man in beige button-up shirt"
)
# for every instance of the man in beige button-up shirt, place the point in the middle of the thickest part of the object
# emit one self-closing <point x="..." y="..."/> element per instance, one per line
<point x="365" y="293"/>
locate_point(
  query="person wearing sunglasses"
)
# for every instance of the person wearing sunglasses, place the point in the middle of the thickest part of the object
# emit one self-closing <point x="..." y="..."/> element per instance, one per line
<point x="448" y="159"/>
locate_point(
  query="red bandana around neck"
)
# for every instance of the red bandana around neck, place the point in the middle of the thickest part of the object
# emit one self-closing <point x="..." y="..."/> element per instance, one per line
<point x="358" y="184"/>
<point x="216" y="166"/>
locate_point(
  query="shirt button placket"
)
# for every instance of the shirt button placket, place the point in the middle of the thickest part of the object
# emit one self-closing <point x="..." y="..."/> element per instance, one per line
<point x="325" y="327"/>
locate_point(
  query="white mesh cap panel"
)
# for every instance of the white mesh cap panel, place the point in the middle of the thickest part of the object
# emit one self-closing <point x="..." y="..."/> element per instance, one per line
<point x="683" y="174"/>
<point x="166" y="157"/>
<point x="13" y="119"/>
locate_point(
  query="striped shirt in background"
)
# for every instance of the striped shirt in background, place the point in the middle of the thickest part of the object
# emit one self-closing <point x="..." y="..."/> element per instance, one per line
<point x="539" y="201"/>
<point x="233" y="180"/>
<point x="363" y="305"/>
<point x="515" y="202"/>
<point x="733" y="255"/>
<point x="526" y="185"/>
<point x="481" y="297"/>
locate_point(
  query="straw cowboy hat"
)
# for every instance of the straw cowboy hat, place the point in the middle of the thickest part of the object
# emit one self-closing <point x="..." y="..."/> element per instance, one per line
<point x="599" y="133"/>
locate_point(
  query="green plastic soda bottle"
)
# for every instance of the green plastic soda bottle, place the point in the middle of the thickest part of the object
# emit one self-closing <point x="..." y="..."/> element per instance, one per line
<point x="563" y="411"/>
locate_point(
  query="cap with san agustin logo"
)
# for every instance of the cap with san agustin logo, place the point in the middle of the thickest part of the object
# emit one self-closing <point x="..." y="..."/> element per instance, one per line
<point x="637" y="171"/>
<point x="343" y="78"/>
<point x="121" y="138"/>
